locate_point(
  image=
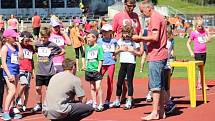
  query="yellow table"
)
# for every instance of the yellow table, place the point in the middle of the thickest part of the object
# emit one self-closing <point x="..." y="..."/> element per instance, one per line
<point x="191" y="72"/>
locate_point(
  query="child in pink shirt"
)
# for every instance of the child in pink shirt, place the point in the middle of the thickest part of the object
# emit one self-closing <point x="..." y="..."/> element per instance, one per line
<point x="200" y="38"/>
<point x="60" y="39"/>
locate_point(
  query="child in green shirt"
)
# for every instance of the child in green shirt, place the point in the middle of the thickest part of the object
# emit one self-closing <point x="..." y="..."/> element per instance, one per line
<point x="94" y="58"/>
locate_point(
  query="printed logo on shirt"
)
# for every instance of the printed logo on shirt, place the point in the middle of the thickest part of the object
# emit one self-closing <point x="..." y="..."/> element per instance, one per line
<point x="43" y="59"/>
<point x="92" y="54"/>
<point x="14" y="58"/>
<point x="44" y="51"/>
<point x="201" y="39"/>
<point x="58" y="40"/>
<point x="108" y="47"/>
<point x="132" y="22"/>
<point x="27" y="54"/>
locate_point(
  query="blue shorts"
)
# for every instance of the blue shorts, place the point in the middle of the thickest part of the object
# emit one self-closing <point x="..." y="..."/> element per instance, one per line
<point x="156" y="75"/>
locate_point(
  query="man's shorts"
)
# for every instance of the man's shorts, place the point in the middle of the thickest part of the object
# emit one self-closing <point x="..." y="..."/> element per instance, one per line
<point x="42" y="80"/>
<point x="93" y="76"/>
<point x="36" y="31"/>
<point x="156" y="75"/>
<point x="25" y="77"/>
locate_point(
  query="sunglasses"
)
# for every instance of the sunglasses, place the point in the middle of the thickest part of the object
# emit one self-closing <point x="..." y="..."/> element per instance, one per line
<point x="131" y="5"/>
<point x="200" y="26"/>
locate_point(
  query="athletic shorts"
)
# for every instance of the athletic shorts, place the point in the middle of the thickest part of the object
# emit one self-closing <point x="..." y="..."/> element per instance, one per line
<point x="42" y="80"/>
<point x="93" y="76"/>
<point x="200" y="57"/>
<point x="36" y="31"/>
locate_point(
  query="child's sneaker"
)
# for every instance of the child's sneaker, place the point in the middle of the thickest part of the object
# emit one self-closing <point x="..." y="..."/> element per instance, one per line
<point x="128" y="104"/>
<point x="149" y="97"/>
<point x="170" y="107"/>
<point x="17" y="116"/>
<point x="106" y="104"/>
<point x="16" y="110"/>
<point x="6" y="116"/>
<point x="89" y="102"/>
<point x="24" y="108"/>
<point x="18" y="101"/>
<point x="37" y="108"/>
<point x="99" y="108"/>
<point x="92" y="103"/>
<point x="115" y="104"/>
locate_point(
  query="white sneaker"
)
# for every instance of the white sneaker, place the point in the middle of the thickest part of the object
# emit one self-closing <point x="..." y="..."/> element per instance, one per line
<point x="89" y="102"/>
<point x="18" y="101"/>
<point x="92" y="103"/>
<point x="16" y="110"/>
<point x="100" y="108"/>
<point x="24" y="108"/>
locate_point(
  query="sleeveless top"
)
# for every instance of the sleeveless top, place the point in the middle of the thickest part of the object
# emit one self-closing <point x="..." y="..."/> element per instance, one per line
<point x="12" y="62"/>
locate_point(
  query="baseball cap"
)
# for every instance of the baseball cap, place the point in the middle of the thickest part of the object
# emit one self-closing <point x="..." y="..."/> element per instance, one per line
<point x="54" y="23"/>
<point x="95" y="33"/>
<point x="10" y="33"/>
<point x="107" y="27"/>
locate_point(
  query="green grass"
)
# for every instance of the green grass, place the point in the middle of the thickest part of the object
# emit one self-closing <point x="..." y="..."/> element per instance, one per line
<point x="181" y="52"/>
<point x="188" y="8"/>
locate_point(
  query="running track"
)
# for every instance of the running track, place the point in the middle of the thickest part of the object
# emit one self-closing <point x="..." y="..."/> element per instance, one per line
<point x="179" y="90"/>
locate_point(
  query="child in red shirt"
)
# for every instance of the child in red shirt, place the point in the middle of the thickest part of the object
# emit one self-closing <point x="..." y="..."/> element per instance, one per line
<point x="26" y="69"/>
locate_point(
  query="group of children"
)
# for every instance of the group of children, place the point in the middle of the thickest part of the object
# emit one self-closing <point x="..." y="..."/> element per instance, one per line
<point x="99" y="57"/>
<point x="18" y="65"/>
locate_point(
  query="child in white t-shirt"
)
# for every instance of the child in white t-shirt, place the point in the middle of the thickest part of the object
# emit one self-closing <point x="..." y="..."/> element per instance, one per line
<point x="127" y="50"/>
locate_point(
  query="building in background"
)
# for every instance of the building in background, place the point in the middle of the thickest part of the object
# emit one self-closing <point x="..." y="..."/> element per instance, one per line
<point x="26" y="8"/>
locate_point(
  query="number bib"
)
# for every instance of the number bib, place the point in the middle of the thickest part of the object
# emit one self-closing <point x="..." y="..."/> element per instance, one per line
<point x="14" y="58"/>
<point x="44" y="51"/>
<point x="27" y="54"/>
<point x="108" y="47"/>
<point x="92" y="54"/>
<point x="59" y="41"/>
<point x="201" y="39"/>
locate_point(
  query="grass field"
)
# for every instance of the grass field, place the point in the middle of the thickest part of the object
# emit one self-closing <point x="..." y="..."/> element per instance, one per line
<point x="188" y="8"/>
<point x="181" y="52"/>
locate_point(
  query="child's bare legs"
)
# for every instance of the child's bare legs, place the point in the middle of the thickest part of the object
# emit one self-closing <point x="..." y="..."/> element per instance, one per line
<point x="26" y="93"/>
<point x="199" y="86"/>
<point x="39" y="94"/>
<point x="83" y="63"/>
<point x="96" y="88"/>
<point x="10" y="95"/>
<point x="77" y="67"/>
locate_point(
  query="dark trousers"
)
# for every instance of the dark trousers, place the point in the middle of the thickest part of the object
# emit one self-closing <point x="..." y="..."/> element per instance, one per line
<point x="2" y="82"/>
<point x="78" y="112"/>
<point x="126" y="69"/>
<point x="77" y="52"/>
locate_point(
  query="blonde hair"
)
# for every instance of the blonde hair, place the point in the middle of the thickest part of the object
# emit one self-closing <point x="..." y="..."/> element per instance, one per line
<point x="45" y="31"/>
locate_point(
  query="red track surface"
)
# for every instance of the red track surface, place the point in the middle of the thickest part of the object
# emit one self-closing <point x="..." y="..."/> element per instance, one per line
<point x="179" y="90"/>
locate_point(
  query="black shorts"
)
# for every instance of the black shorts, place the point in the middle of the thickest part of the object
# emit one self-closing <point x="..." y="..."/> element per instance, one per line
<point x="36" y="31"/>
<point x="42" y="80"/>
<point x="200" y="57"/>
<point x="93" y="76"/>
